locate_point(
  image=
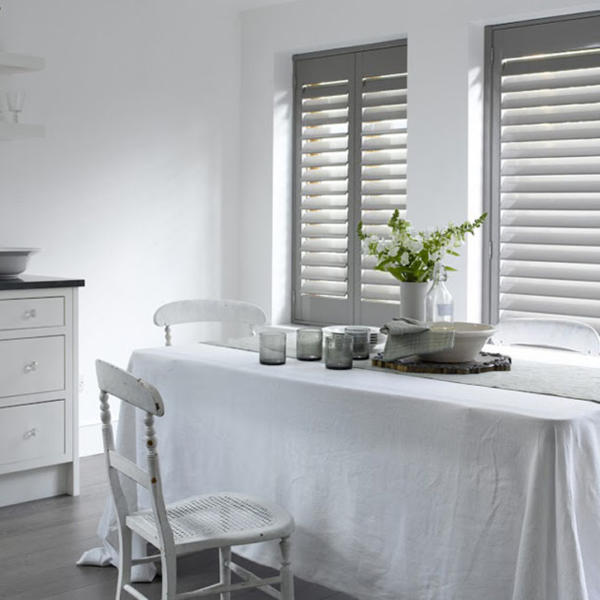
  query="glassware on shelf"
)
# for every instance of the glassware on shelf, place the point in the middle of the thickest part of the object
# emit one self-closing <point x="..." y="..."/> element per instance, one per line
<point x="338" y="351"/>
<point x="15" y="100"/>
<point x="309" y="343"/>
<point x="272" y="347"/>
<point x="439" y="304"/>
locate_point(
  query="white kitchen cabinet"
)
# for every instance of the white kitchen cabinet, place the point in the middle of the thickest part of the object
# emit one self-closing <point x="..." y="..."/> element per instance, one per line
<point x="38" y="388"/>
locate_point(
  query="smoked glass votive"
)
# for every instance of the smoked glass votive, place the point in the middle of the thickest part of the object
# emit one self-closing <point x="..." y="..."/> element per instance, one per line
<point x="338" y="351"/>
<point x="272" y="347"/>
<point x="360" y="335"/>
<point x="309" y="343"/>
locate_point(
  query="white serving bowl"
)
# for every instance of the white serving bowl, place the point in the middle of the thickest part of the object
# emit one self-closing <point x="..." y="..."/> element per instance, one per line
<point x="13" y="261"/>
<point x="469" y="339"/>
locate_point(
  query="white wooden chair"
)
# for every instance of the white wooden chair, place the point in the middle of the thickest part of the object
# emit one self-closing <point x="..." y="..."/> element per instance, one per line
<point x="551" y="333"/>
<point x="207" y="311"/>
<point x="218" y="520"/>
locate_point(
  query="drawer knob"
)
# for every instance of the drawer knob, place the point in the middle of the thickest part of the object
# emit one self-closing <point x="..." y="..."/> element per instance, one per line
<point x="32" y="366"/>
<point x="30" y="314"/>
<point x="30" y="433"/>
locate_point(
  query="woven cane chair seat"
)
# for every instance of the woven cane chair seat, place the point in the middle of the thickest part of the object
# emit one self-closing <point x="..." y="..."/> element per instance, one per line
<point x="208" y="521"/>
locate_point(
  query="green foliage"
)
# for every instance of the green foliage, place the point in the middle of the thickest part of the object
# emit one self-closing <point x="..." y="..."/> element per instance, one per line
<point x="411" y="255"/>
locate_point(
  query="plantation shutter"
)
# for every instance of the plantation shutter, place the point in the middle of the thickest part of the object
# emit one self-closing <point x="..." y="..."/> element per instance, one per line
<point x="350" y="163"/>
<point x="548" y="214"/>
<point x="323" y="279"/>
<point x="382" y="156"/>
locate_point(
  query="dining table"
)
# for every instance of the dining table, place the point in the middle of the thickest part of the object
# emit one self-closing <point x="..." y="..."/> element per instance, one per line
<point x="402" y="487"/>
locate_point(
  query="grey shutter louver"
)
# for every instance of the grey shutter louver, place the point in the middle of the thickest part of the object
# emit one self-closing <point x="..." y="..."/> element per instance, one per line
<point x="549" y="183"/>
<point x="350" y="163"/>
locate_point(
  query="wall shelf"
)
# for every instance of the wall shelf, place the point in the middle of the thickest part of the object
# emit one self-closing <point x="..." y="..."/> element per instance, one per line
<point x="11" y="64"/>
<point x="16" y="131"/>
<point x="19" y="63"/>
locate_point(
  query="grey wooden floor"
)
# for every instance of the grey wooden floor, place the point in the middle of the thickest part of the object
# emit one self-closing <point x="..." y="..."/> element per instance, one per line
<point x="40" y="542"/>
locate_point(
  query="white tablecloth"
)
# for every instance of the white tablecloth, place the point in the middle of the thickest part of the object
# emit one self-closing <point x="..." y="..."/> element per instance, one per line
<point x="402" y="488"/>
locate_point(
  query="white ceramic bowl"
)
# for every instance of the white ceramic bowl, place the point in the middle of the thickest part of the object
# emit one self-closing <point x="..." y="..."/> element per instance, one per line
<point x="469" y="339"/>
<point x="13" y="261"/>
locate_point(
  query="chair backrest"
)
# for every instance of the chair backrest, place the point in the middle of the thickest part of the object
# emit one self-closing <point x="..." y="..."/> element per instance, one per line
<point x="143" y="396"/>
<point x="126" y="387"/>
<point x="208" y="311"/>
<point x="551" y="333"/>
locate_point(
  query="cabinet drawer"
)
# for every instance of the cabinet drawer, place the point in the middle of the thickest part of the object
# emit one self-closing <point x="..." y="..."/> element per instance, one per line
<point x="32" y="431"/>
<point x="28" y="313"/>
<point x="32" y="365"/>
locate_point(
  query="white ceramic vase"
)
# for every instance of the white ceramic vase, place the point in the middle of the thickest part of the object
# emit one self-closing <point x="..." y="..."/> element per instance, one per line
<point x="412" y="299"/>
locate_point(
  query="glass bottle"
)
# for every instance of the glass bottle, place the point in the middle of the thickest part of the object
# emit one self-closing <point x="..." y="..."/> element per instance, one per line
<point x="439" y="304"/>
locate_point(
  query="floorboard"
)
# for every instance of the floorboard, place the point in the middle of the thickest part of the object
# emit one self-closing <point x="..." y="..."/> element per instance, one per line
<point x="40" y="542"/>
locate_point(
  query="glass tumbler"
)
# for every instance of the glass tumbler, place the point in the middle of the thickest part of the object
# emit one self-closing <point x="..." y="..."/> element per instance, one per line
<point x="272" y="347"/>
<point x="309" y="343"/>
<point x="338" y="351"/>
<point x="360" y="335"/>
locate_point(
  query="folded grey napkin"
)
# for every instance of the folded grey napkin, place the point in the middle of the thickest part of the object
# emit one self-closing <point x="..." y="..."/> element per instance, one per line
<point x="406" y="337"/>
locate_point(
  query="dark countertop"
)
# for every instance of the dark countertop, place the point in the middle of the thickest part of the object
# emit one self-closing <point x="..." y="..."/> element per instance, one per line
<point x="29" y="282"/>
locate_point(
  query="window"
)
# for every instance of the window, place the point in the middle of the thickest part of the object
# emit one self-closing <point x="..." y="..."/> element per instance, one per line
<point x="350" y="141"/>
<point x="544" y="169"/>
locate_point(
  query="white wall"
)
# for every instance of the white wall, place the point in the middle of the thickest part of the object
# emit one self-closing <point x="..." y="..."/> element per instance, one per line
<point x="135" y="186"/>
<point x="445" y="56"/>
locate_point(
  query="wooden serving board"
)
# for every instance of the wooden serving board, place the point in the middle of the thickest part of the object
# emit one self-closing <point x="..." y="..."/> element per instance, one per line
<point x="484" y="363"/>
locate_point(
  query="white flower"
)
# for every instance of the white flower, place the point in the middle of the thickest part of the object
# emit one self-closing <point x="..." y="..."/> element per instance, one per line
<point x="404" y="260"/>
<point x="382" y="246"/>
<point x="414" y="246"/>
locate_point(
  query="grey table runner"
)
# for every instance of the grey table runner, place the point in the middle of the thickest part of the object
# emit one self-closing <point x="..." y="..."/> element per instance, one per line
<point x="570" y="381"/>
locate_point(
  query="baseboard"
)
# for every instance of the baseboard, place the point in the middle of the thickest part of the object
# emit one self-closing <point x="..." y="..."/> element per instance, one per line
<point x="90" y="439"/>
<point x="33" y="484"/>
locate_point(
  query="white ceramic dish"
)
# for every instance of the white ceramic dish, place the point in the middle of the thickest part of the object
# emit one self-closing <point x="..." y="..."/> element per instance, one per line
<point x="469" y="339"/>
<point x="13" y="261"/>
<point x="375" y="336"/>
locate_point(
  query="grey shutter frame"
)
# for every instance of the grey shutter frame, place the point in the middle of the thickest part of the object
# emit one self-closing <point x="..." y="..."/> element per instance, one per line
<point x="543" y="144"/>
<point x="350" y="65"/>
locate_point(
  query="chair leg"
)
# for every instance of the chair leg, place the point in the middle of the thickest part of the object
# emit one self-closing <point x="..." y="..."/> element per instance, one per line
<point x="224" y="570"/>
<point x="169" y="575"/>
<point x="287" y="576"/>
<point x="124" y="577"/>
